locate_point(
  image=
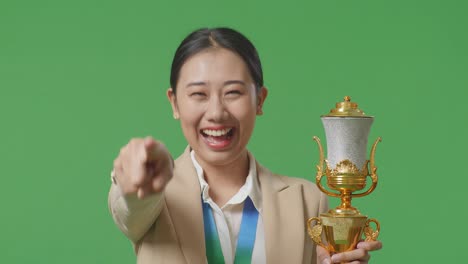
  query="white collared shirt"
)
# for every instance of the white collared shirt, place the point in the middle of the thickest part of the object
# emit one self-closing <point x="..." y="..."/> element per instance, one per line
<point x="228" y="218"/>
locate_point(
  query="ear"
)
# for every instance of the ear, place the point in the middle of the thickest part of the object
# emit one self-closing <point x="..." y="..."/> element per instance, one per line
<point x="261" y="97"/>
<point x="172" y="99"/>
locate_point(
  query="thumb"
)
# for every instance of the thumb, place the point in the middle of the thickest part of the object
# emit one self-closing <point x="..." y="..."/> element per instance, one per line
<point x="323" y="256"/>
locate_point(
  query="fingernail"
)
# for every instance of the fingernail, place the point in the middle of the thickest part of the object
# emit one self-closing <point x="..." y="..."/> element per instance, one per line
<point x="335" y="258"/>
<point x="140" y="194"/>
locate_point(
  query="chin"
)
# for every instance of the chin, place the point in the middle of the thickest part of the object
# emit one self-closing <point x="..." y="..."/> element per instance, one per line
<point x="218" y="158"/>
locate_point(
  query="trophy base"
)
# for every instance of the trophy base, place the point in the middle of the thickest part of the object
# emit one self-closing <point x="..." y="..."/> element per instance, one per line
<point x="342" y="232"/>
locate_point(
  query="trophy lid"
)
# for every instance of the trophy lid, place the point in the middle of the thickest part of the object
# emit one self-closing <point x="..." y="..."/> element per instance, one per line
<point x="347" y="109"/>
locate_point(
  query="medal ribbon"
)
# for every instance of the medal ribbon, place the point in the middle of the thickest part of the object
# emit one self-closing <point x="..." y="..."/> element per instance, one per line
<point x="245" y="241"/>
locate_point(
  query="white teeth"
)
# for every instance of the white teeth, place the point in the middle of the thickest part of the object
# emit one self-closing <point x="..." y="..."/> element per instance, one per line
<point x="216" y="133"/>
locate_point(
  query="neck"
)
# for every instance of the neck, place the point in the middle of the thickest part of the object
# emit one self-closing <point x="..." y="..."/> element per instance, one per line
<point x="226" y="180"/>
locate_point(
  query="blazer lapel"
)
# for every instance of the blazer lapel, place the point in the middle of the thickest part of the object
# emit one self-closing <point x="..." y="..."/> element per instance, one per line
<point x="183" y="199"/>
<point x="283" y="211"/>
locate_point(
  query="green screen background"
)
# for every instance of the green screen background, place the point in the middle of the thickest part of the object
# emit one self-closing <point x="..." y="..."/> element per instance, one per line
<point x="78" y="79"/>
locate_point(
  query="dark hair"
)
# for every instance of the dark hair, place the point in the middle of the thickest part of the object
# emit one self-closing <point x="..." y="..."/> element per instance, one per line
<point x="227" y="38"/>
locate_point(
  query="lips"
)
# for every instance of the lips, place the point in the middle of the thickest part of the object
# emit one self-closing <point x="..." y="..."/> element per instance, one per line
<point x="217" y="138"/>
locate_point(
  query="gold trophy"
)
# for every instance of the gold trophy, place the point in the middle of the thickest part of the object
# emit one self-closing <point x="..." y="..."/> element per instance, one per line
<point x="347" y="129"/>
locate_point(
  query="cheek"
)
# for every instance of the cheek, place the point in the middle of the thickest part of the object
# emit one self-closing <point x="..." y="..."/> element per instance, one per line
<point x="248" y="108"/>
<point x="190" y="130"/>
<point x="189" y="119"/>
<point x="246" y="114"/>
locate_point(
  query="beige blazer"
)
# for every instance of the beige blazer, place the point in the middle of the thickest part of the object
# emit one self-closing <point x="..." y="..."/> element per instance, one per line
<point x="177" y="235"/>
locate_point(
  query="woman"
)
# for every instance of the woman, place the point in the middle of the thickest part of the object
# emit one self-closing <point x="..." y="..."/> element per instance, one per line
<point x="215" y="203"/>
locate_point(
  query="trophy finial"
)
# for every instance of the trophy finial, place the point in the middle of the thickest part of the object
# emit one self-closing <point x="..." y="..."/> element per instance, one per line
<point x="347" y="109"/>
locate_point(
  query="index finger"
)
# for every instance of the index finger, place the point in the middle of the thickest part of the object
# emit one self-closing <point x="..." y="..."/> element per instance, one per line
<point x="370" y="245"/>
<point x="151" y="148"/>
<point x="149" y="143"/>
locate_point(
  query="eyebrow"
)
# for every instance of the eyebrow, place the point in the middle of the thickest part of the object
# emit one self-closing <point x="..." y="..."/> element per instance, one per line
<point x="225" y="83"/>
<point x="195" y="84"/>
<point x="234" y="82"/>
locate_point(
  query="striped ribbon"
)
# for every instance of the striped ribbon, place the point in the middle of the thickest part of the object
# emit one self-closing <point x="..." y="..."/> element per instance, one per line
<point x="245" y="241"/>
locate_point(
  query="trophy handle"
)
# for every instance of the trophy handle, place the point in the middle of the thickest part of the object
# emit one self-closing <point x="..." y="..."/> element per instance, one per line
<point x="320" y="173"/>
<point x="373" y="170"/>
<point x="315" y="232"/>
<point x="369" y="233"/>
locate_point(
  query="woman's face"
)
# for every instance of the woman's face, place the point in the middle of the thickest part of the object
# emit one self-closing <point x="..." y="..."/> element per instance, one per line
<point x="217" y="105"/>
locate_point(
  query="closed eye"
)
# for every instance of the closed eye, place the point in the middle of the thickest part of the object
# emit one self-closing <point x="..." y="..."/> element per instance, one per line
<point x="234" y="92"/>
<point x="197" y="94"/>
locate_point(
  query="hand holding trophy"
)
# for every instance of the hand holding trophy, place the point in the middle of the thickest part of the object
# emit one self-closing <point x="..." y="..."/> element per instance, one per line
<point x="347" y="129"/>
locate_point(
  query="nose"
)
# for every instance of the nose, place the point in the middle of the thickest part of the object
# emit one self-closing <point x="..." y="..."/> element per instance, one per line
<point x="216" y="111"/>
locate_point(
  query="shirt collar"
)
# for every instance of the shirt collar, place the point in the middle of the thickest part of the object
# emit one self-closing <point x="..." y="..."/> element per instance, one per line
<point x="250" y="188"/>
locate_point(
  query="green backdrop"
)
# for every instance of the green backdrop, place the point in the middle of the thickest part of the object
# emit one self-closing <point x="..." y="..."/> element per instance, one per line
<point x="78" y="79"/>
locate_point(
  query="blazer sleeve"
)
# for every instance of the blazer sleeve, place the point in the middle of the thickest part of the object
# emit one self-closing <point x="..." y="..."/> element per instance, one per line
<point x="318" y="204"/>
<point x="134" y="216"/>
<point x="323" y="206"/>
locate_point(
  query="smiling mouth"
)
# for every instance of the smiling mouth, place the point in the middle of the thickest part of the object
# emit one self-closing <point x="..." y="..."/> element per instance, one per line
<point x="218" y="134"/>
<point x="218" y="139"/>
